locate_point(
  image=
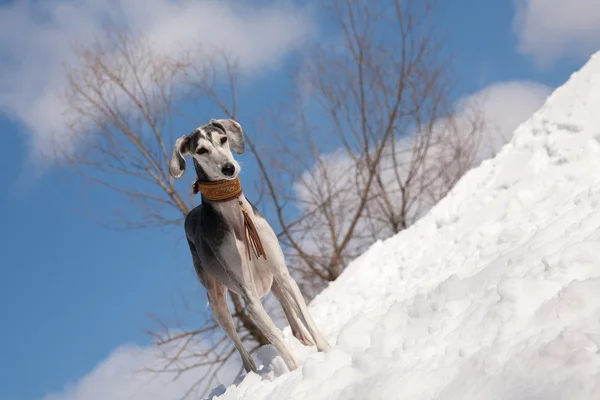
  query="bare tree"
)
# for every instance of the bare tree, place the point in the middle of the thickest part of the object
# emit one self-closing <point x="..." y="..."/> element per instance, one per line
<point x="125" y="98"/>
<point x="375" y="141"/>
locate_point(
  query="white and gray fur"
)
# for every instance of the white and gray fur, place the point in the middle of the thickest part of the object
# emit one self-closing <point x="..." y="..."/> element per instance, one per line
<point x="215" y="234"/>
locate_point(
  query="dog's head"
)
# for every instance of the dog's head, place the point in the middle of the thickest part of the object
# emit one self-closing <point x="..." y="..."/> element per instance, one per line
<point x="211" y="146"/>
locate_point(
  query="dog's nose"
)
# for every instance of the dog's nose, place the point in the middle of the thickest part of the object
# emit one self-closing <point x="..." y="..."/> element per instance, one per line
<point x="228" y="169"/>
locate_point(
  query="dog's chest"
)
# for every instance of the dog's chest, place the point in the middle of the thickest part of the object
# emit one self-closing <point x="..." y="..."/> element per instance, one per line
<point x="233" y="214"/>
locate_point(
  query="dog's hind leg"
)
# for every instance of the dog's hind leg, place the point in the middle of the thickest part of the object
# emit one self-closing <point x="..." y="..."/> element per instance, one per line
<point x="217" y="298"/>
<point x="298" y="329"/>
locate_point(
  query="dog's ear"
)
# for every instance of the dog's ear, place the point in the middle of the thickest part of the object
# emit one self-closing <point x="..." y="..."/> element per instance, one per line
<point x="234" y="132"/>
<point x="177" y="165"/>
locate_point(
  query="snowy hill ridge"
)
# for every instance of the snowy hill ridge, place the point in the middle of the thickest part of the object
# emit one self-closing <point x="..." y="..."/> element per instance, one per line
<point x="495" y="293"/>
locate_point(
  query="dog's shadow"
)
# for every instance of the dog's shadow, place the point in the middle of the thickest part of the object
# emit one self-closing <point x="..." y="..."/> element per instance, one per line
<point x="219" y="390"/>
<point x="271" y="367"/>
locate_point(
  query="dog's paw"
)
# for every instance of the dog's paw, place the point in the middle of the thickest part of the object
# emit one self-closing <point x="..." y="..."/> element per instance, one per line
<point x="303" y="337"/>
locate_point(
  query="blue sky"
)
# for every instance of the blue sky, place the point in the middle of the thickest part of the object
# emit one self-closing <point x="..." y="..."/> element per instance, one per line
<point x="71" y="291"/>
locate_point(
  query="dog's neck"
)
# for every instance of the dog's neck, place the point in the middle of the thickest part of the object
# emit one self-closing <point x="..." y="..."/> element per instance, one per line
<point x="227" y="196"/>
<point x="219" y="192"/>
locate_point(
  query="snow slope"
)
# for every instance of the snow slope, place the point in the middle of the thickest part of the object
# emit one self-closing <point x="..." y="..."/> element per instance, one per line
<point x="495" y="294"/>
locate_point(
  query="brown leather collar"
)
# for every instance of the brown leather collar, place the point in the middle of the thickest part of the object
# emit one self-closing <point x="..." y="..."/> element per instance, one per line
<point x="216" y="191"/>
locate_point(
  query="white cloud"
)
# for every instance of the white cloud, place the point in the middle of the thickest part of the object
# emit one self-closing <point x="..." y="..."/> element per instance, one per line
<point x="550" y="29"/>
<point x="128" y="373"/>
<point x="504" y="106"/>
<point x="124" y="376"/>
<point x="36" y="40"/>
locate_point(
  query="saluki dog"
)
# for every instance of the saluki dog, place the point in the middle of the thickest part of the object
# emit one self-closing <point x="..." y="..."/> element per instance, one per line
<point x="233" y="246"/>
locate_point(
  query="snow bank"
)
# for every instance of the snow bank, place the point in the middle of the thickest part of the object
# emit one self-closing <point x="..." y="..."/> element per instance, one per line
<point x="494" y="294"/>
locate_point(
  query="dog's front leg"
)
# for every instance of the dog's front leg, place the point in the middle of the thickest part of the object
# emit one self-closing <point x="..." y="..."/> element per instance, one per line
<point x="217" y="298"/>
<point x="242" y="273"/>
<point x="290" y="290"/>
<point x="258" y="313"/>
<point x="298" y="329"/>
<point x="268" y="328"/>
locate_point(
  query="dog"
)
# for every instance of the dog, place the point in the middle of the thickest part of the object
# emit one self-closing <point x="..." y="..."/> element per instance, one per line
<point x="233" y="247"/>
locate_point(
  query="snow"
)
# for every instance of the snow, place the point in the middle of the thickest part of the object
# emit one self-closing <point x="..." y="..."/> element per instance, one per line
<point x="494" y="294"/>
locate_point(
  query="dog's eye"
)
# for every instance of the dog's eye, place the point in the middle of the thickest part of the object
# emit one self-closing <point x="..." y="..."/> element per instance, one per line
<point x="223" y="139"/>
<point x="202" y="150"/>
